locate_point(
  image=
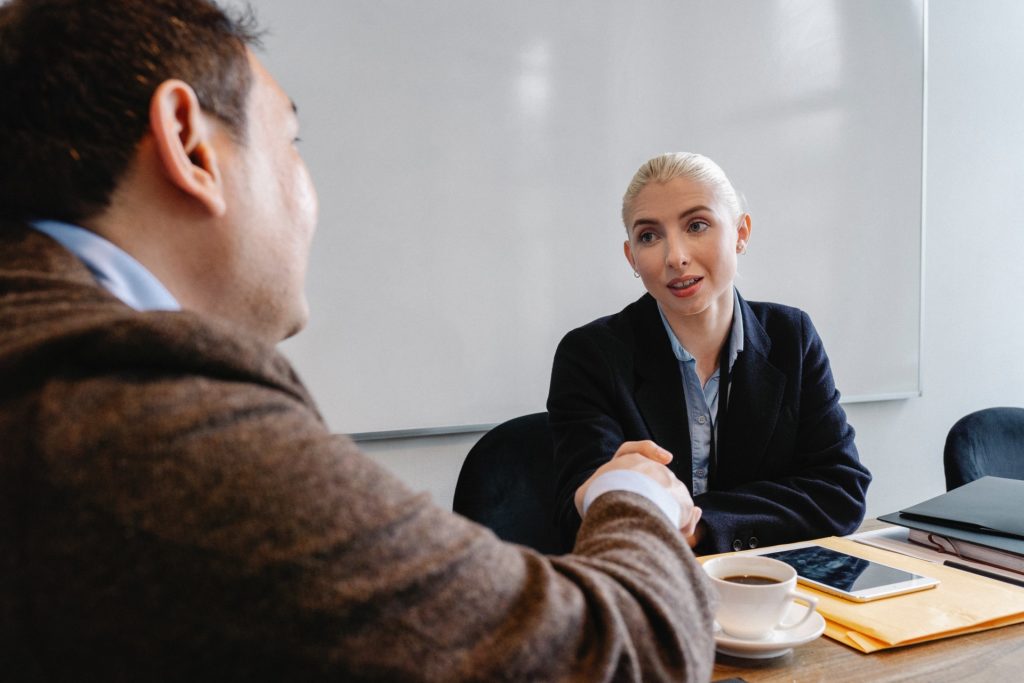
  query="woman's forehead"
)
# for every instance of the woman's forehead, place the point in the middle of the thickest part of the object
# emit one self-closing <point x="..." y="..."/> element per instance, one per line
<point x="676" y="196"/>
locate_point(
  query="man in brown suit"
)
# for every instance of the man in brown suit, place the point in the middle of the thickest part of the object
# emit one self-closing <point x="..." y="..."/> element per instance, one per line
<point x="172" y="506"/>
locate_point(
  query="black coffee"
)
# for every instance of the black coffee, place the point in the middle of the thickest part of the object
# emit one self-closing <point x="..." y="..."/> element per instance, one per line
<point x="751" y="579"/>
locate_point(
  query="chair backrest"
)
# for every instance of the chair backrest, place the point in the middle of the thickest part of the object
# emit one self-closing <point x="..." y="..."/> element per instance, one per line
<point x="507" y="483"/>
<point x="988" y="442"/>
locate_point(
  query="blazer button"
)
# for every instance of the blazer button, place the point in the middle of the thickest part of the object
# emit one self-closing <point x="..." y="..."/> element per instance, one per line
<point x="737" y="544"/>
<point x="752" y="542"/>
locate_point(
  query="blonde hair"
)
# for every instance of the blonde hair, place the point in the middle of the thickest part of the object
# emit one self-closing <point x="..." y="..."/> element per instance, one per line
<point x="689" y="165"/>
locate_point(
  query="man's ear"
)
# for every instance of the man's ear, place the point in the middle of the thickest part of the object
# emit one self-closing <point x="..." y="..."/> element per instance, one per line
<point x="184" y="146"/>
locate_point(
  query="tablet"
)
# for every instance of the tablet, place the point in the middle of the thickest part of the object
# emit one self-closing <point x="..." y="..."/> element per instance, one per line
<point x="850" y="577"/>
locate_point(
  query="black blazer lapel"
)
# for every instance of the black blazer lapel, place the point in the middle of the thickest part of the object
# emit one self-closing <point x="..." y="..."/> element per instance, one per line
<point x="755" y="398"/>
<point x="658" y="388"/>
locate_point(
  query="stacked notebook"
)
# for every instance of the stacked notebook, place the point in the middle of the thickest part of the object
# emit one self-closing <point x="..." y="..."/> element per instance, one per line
<point x="981" y="521"/>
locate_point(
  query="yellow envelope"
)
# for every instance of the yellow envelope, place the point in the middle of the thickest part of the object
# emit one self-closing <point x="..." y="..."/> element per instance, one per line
<point x="961" y="603"/>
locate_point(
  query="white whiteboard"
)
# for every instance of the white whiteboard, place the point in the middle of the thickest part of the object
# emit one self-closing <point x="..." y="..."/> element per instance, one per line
<point x="471" y="157"/>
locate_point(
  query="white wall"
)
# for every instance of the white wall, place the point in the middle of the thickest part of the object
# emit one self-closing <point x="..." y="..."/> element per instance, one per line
<point x="974" y="246"/>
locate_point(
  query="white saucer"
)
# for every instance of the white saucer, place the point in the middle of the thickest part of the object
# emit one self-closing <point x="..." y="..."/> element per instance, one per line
<point x="776" y="643"/>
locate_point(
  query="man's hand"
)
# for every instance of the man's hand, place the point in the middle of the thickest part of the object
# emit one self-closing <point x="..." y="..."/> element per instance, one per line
<point x="650" y="459"/>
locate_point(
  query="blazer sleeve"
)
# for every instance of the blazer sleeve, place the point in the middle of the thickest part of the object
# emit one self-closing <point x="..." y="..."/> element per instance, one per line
<point x="212" y="527"/>
<point x="581" y="405"/>
<point x="812" y="483"/>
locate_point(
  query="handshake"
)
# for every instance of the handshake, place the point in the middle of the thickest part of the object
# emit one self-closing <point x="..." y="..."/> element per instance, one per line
<point x="650" y="459"/>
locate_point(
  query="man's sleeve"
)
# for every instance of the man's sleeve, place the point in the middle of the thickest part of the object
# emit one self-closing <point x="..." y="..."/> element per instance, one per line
<point x="223" y="524"/>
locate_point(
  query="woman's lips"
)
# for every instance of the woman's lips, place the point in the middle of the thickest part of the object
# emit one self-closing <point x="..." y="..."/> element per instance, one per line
<point x="683" y="287"/>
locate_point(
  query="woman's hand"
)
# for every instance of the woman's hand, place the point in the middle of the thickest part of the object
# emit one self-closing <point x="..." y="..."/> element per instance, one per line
<point x="699" y="530"/>
<point x="647" y="448"/>
<point x="650" y="459"/>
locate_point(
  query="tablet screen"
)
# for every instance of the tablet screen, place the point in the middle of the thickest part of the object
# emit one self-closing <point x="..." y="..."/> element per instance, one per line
<point x="840" y="570"/>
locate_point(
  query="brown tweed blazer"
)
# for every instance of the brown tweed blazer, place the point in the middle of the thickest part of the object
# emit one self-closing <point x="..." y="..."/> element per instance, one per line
<point x="172" y="507"/>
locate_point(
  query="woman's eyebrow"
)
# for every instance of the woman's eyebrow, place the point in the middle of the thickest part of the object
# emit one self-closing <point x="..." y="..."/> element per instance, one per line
<point x="650" y="221"/>
<point x="695" y="209"/>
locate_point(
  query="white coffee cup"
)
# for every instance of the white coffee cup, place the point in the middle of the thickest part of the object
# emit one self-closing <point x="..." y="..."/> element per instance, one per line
<point x="754" y="595"/>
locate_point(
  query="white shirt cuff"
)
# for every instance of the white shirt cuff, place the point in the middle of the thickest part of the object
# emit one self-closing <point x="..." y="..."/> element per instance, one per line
<point x="627" y="480"/>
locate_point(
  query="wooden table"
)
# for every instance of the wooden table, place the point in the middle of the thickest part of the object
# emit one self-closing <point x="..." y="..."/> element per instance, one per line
<point x="989" y="656"/>
<point x="995" y="656"/>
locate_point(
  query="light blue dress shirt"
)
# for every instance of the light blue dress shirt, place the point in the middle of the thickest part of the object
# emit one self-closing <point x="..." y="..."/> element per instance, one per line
<point x="702" y="401"/>
<point x="114" y="269"/>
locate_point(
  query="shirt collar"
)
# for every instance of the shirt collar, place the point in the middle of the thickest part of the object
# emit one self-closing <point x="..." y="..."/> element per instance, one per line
<point x="113" y="268"/>
<point x="735" y="333"/>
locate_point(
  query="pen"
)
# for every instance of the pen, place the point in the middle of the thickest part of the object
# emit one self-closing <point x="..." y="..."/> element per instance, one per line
<point x="982" y="572"/>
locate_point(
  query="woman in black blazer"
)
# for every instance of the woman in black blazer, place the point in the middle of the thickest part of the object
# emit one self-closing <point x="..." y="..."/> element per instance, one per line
<point x="776" y="463"/>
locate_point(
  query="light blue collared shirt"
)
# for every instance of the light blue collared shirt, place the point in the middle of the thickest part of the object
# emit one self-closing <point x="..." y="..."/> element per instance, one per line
<point x="114" y="269"/>
<point x="702" y="402"/>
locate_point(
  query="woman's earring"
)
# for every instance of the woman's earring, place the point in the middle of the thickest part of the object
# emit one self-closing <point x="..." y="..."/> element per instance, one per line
<point x="741" y="248"/>
<point x="636" y="274"/>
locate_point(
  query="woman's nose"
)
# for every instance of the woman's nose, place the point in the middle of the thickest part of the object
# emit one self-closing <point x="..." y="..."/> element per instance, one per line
<point x="676" y="255"/>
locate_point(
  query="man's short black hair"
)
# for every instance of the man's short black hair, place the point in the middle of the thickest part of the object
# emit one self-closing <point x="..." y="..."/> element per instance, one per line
<point x="76" y="80"/>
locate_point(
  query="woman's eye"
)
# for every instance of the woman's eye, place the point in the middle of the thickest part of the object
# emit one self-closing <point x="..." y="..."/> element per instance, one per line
<point x="698" y="226"/>
<point x="646" y="237"/>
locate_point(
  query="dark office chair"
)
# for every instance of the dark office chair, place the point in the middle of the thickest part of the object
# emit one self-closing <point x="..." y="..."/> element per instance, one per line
<point x="507" y="483"/>
<point x="988" y="442"/>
